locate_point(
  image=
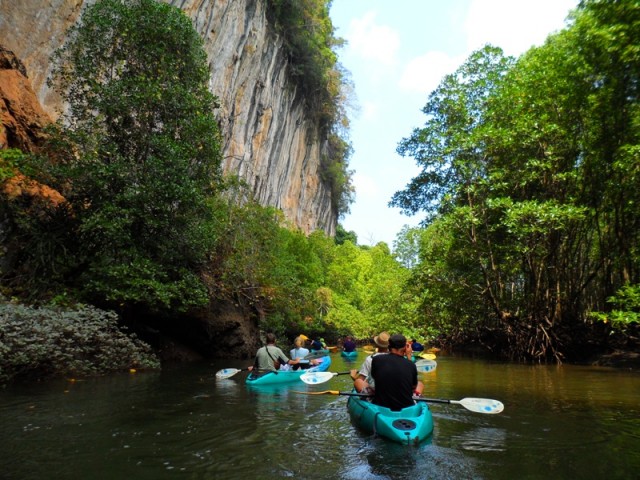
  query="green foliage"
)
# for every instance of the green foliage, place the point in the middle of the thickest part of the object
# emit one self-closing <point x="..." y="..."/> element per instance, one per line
<point x="407" y="246"/>
<point x="36" y="240"/>
<point x="335" y="174"/>
<point x="144" y="226"/>
<point x="146" y="153"/>
<point x="308" y="35"/>
<point x="308" y="284"/>
<point x="627" y="301"/>
<point x="342" y="235"/>
<point x="529" y="180"/>
<point x="370" y="293"/>
<point x="43" y="342"/>
<point x="445" y="148"/>
<point x="9" y="160"/>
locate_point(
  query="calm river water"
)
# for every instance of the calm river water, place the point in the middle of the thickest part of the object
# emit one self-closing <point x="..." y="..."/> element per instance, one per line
<point x="565" y="422"/>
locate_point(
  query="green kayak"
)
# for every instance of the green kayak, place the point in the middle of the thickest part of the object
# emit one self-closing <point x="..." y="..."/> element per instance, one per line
<point x="410" y="425"/>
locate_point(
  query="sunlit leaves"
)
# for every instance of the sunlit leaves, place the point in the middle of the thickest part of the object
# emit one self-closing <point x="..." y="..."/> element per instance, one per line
<point x="529" y="177"/>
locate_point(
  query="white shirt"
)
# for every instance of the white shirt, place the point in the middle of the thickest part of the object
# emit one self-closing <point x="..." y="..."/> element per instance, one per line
<point x="365" y="368"/>
<point x="299" y="353"/>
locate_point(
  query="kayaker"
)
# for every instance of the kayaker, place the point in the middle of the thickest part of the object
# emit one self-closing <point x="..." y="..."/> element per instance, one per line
<point x="416" y="346"/>
<point x="270" y="357"/>
<point x="362" y="380"/>
<point x="395" y="377"/>
<point x="349" y="345"/>
<point x="316" y="345"/>
<point x="300" y="352"/>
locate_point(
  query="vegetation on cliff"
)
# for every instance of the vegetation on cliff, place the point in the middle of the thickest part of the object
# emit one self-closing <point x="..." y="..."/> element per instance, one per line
<point x="137" y="157"/>
<point x="309" y="40"/>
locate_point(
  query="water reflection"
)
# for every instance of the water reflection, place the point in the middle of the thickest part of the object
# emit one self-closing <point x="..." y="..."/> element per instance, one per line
<point x="559" y="422"/>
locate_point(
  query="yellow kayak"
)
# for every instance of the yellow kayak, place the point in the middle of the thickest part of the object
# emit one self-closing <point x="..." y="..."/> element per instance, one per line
<point x="428" y="356"/>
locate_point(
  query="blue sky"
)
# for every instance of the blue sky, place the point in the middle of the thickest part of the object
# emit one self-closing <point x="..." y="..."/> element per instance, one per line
<point x="397" y="53"/>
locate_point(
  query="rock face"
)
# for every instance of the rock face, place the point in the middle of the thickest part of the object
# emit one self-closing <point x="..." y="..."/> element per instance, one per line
<point x="21" y="116"/>
<point x="271" y="142"/>
<point x="21" y="122"/>
<point x="224" y="329"/>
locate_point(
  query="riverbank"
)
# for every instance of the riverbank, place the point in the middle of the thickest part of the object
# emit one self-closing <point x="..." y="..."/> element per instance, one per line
<point x="619" y="359"/>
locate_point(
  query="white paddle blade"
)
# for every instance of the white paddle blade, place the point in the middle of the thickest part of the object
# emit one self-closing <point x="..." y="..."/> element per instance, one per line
<point x="426" y="366"/>
<point x="226" y="372"/>
<point x="481" y="405"/>
<point x="313" y="378"/>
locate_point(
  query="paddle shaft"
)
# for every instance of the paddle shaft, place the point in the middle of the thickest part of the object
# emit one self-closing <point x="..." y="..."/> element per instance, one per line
<point x="478" y="405"/>
<point x="434" y="400"/>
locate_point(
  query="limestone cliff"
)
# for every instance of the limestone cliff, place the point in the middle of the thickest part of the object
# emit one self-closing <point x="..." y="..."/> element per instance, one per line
<point x="21" y="115"/>
<point x="270" y="140"/>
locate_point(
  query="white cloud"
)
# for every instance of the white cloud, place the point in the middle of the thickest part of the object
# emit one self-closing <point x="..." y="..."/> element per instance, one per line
<point x="372" y="41"/>
<point x="515" y="26"/>
<point x="423" y="74"/>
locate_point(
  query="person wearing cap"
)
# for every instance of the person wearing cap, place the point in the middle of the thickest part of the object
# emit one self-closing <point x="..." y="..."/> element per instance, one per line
<point x="316" y="345"/>
<point x="395" y="377"/>
<point x="269" y="357"/>
<point x="416" y="346"/>
<point x="362" y="380"/>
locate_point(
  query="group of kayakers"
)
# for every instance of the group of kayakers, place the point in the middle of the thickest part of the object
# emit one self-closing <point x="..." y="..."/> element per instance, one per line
<point x="388" y="375"/>
<point x="271" y="358"/>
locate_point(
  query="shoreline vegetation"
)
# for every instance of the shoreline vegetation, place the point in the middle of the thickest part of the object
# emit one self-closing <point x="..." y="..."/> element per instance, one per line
<point x="42" y="342"/>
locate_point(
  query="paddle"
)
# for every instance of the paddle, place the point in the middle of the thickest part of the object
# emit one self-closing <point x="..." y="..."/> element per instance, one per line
<point x="478" y="405"/>
<point x="313" y="378"/>
<point x="316" y="354"/>
<point x="426" y="366"/>
<point x="229" y="372"/>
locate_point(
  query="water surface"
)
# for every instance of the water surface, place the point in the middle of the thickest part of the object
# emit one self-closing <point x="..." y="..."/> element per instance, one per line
<point x="565" y="422"/>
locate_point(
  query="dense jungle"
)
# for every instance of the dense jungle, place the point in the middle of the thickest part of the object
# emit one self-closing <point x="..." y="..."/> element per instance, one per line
<point x="125" y="245"/>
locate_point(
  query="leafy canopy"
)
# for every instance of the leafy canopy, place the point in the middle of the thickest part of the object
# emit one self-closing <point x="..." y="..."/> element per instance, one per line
<point x="146" y="151"/>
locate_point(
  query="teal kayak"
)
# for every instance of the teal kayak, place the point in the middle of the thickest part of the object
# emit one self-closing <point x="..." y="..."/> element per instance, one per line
<point x="353" y="354"/>
<point x="410" y="425"/>
<point x="288" y="376"/>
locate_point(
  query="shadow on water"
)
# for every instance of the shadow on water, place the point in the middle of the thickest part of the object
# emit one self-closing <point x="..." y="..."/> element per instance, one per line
<point x="559" y="422"/>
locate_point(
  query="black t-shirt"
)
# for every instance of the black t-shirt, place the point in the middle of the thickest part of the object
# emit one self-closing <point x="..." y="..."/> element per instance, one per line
<point x="395" y="381"/>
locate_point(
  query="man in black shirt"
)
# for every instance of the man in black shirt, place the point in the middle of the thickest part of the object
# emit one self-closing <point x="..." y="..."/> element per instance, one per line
<point x="396" y="378"/>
